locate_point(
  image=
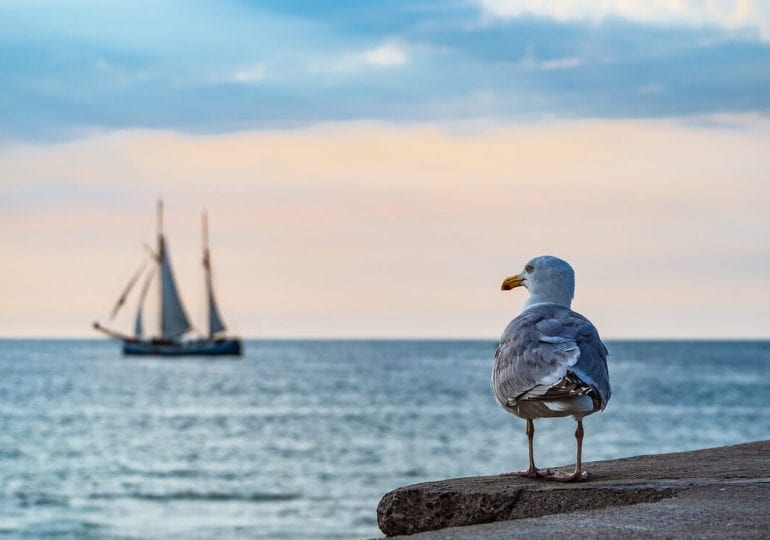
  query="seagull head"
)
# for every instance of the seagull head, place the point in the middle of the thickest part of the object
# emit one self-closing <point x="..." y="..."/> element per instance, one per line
<point x="547" y="278"/>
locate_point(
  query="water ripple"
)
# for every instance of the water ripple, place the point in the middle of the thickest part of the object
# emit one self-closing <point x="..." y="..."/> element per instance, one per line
<point x="301" y="439"/>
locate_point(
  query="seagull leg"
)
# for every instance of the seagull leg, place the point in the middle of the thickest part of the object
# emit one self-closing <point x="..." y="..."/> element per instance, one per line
<point x="532" y="472"/>
<point x="579" y="475"/>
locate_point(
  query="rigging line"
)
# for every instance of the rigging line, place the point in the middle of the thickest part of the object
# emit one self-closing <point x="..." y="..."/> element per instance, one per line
<point x="146" y="285"/>
<point x="127" y="290"/>
<point x="154" y="255"/>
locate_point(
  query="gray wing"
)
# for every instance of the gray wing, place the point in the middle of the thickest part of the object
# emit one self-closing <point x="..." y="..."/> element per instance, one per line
<point x="536" y="349"/>
<point x="543" y="345"/>
<point x="591" y="367"/>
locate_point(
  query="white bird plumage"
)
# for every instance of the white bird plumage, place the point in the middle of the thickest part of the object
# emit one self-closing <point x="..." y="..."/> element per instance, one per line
<point x="550" y="361"/>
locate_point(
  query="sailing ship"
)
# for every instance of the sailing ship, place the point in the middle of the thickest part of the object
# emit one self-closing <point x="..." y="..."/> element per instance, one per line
<point x="174" y="325"/>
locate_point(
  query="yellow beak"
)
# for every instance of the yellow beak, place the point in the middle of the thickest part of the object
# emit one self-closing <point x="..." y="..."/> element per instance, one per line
<point x="512" y="282"/>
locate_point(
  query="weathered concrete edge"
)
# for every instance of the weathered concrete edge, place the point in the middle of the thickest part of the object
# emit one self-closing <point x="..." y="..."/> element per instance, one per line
<point x="729" y="509"/>
<point x="442" y="510"/>
<point x="461" y="502"/>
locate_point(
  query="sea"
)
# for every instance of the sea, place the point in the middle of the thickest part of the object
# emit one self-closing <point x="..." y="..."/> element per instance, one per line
<point x="300" y="439"/>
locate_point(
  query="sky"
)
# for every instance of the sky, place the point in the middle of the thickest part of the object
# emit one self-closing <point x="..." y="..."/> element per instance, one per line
<point x="375" y="169"/>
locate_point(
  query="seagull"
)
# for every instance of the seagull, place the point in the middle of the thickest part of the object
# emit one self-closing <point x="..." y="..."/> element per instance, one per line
<point x="550" y="361"/>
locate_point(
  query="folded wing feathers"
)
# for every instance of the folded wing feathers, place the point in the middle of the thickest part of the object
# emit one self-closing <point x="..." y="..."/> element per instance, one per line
<point x="550" y="352"/>
<point x="569" y="386"/>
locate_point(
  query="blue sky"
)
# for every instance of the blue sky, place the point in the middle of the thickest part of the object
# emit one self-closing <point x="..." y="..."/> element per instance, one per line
<point x="69" y="68"/>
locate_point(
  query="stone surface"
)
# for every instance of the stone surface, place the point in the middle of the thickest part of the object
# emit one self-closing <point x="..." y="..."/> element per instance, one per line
<point x="683" y="488"/>
<point x="730" y="511"/>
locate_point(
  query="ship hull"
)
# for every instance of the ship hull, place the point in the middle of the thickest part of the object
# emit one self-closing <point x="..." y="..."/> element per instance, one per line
<point x="198" y="347"/>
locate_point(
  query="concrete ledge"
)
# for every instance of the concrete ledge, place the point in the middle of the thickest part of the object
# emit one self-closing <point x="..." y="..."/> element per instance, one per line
<point x="645" y="479"/>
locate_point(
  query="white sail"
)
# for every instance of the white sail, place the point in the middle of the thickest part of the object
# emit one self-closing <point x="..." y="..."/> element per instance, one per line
<point x="174" y="319"/>
<point x="138" y="323"/>
<point x="215" y="319"/>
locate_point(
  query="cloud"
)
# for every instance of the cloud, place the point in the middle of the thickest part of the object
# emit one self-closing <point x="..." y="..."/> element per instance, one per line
<point x="83" y="68"/>
<point x="531" y="62"/>
<point x="731" y="14"/>
<point x="350" y="66"/>
<point x="252" y="74"/>
<point x="567" y="62"/>
<point x="389" y="54"/>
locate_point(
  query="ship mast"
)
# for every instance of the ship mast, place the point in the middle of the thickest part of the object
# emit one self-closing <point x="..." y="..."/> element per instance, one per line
<point x="214" y="318"/>
<point x="159" y="214"/>
<point x="173" y="318"/>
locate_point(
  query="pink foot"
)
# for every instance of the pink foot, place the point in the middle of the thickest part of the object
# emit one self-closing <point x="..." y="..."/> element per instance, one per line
<point x="531" y="473"/>
<point x="577" y="476"/>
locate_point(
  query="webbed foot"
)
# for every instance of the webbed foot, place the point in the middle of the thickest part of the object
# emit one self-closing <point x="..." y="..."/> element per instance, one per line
<point x="531" y="473"/>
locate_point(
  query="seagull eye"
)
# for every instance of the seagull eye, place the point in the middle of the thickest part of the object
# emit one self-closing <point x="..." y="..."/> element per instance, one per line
<point x="528" y="268"/>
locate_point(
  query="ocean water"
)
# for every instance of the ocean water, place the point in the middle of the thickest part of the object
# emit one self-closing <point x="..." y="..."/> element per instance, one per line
<point x="300" y="439"/>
